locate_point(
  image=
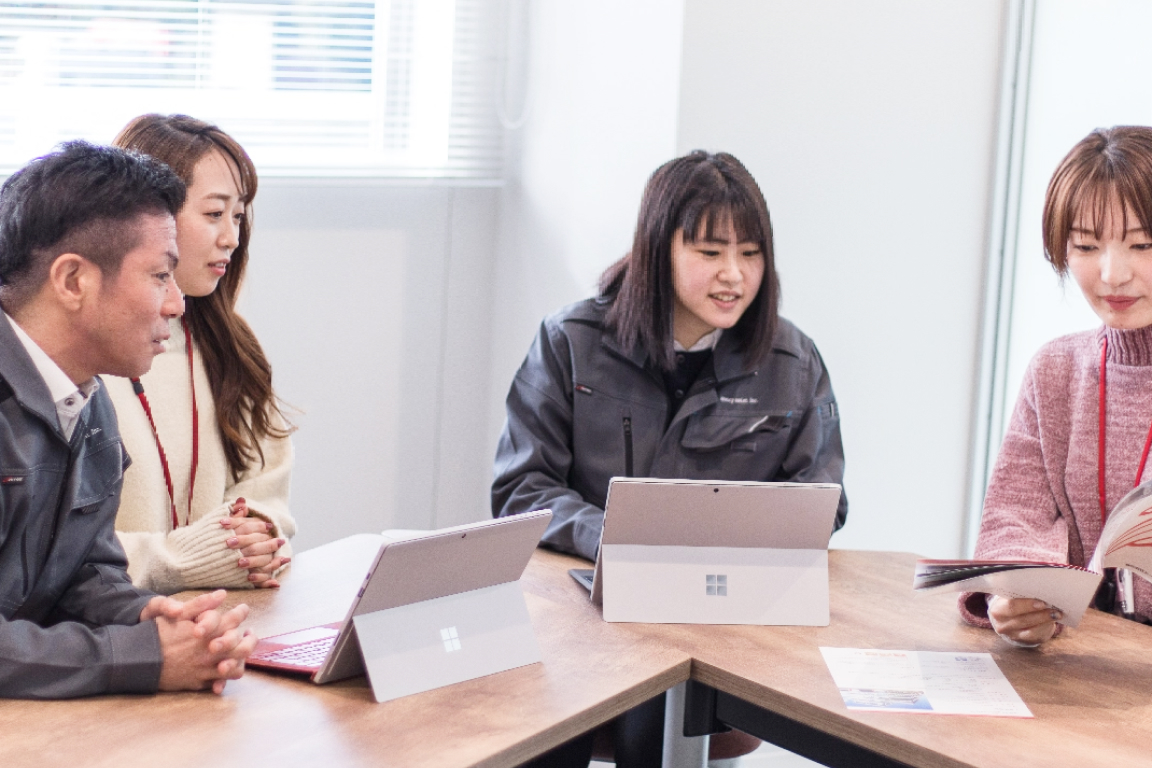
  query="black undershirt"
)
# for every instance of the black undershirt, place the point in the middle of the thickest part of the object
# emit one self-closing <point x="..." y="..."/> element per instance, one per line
<point x="678" y="382"/>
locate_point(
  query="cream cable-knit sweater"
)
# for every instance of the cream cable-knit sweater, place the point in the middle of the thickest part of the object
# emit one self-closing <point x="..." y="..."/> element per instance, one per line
<point x="1042" y="502"/>
<point x="193" y="556"/>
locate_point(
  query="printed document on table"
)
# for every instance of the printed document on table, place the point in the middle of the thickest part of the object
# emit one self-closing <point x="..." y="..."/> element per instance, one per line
<point x="923" y="681"/>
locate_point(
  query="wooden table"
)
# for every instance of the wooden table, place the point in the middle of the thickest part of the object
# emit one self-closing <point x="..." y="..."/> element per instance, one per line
<point x="592" y="672"/>
<point x="1090" y="690"/>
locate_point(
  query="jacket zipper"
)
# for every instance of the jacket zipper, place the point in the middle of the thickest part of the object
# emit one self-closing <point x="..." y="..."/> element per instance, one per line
<point x="627" y="446"/>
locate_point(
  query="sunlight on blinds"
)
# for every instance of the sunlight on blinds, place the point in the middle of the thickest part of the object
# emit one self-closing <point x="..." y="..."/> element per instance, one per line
<point x="310" y="87"/>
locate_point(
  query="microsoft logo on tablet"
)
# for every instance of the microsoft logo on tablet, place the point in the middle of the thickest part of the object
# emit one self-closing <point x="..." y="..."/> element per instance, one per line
<point x="716" y="584"/>
<point x="451" y="639"/>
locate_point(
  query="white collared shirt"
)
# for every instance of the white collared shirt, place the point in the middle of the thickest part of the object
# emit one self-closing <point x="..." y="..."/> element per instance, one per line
<point x="69" y="398"/>
<point x="707" y="341"/>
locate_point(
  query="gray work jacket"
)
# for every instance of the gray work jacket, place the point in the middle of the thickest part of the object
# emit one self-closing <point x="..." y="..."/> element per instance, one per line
<point x="69" y="615"/>
<point x="582" y="410"/>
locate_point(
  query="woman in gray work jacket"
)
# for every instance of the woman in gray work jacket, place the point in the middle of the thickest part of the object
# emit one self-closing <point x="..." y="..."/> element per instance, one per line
<point x="680" y="368"/>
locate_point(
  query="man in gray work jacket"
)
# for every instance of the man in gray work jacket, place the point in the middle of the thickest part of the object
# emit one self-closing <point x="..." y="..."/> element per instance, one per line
<point x="87" y="252"/>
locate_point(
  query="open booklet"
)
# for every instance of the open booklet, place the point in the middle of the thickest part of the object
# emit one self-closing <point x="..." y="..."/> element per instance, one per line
<point x="1126" y="542"/>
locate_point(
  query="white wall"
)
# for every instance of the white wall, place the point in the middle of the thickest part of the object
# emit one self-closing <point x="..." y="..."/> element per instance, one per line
<point x="366" y="298"/>
<point x="1042" y="308"/>
<point x="870" y="127"/>
<point x="603" y="90"/>
<point x="396" y="315"/>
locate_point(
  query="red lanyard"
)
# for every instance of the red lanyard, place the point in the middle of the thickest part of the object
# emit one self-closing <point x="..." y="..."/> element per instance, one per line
<point x="1100" y="462"/>
<point x="139" y="389"/>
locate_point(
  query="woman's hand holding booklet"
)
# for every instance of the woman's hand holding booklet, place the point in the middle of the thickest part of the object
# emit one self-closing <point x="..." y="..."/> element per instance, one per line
<point x="1126" y="542"/>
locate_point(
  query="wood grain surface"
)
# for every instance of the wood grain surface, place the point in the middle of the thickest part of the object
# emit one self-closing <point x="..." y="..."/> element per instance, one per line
<point x="591" y="672"/>
<point x="1089" y="689"/>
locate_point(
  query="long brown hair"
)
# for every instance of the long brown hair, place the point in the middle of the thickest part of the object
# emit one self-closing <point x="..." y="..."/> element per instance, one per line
<point x="239" y="373"/>
<point x="697" y="193"/>
<point x="1107" y="163"/>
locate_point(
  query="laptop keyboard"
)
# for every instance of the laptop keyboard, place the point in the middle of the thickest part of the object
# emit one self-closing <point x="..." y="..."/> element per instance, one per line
<point x="311" y="654"/>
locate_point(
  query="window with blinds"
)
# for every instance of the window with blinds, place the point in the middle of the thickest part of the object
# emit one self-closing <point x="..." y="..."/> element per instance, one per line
<point x="309" y="87"/>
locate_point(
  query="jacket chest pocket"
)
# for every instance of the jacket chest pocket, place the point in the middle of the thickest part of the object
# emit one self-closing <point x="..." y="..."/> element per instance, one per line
<point x="745" y="432"/>
<point x="96" y="476"/>
<point x="737" y="446"/>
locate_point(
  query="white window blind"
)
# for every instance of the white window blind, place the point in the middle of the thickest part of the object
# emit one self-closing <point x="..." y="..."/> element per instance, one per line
<point x="309" y="87"/>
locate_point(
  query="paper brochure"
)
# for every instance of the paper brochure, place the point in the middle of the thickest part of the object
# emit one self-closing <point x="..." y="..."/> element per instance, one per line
<point x="1126" y="542"/>
<point x="929" y="682"/>
<point x="1066" y="587"/>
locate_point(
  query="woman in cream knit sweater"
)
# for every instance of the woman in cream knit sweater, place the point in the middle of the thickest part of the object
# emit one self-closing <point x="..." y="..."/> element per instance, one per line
<point x="205" y="502"/>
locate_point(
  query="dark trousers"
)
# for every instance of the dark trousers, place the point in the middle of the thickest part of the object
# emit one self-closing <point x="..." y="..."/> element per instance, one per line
<point x="638" y="736"/>
<point x="576" y="753"/>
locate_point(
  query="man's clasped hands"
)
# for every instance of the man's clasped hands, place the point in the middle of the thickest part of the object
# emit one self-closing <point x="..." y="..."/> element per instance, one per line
<point x="202" y="645"/>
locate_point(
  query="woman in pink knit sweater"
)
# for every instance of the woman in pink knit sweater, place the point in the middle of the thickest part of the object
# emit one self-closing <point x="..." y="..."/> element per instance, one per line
<point x="1053" y="484"/>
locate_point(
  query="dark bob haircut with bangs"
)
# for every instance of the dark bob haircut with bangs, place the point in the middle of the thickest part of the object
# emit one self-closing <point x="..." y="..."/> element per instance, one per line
<point x="1107" y="164"/>
<point x="699" y="194"/>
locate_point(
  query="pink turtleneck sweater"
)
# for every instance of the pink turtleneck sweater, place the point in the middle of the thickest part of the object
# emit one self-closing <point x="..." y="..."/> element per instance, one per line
<point x="1042" y="502"/>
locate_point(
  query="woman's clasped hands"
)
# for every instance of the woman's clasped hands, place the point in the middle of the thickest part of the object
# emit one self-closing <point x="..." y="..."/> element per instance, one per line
<point x="256" y="542"/>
